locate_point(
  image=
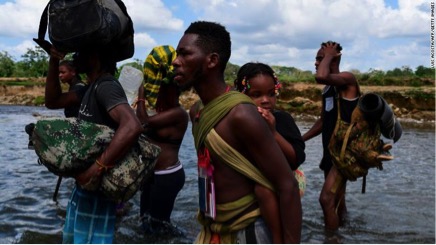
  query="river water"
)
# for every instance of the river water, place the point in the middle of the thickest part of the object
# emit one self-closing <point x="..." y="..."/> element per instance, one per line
<point x="398" y="206"/>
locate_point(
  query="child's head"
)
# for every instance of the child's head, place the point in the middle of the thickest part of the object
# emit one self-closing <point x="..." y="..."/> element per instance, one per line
<point x="67" y="71"/>
<point x="258" y="81"/>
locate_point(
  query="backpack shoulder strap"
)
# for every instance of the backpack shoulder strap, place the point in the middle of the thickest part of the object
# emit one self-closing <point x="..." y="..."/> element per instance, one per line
<point x="43" y="22"/>
<point x="347" y="134"/>
<point x="338" y="118"/>
<point x="44" y="44"/>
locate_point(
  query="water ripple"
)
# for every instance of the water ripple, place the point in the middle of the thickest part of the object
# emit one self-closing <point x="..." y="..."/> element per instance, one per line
<point x="398" y="206"/>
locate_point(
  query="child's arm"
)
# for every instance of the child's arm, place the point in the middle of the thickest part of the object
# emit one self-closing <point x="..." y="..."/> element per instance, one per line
<point x="269" y="208"/>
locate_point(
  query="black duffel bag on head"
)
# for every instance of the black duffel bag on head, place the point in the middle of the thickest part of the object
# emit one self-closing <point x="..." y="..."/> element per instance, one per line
<point x="75" y="25"/>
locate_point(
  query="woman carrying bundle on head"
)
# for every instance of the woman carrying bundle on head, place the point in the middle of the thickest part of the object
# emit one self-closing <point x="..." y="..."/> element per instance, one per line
<point x="166" y="129"/>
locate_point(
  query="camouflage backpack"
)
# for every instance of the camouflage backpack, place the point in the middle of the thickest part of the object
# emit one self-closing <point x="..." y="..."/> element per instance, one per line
<point x="357" y="146"/>
<point x="67" y="146"/>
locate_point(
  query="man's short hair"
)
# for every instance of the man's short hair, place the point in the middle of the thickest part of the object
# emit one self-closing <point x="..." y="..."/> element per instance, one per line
<point x="212" y="37"/>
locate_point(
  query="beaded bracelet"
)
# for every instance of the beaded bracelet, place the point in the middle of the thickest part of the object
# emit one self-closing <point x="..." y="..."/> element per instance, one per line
<point x="102" y="166"/>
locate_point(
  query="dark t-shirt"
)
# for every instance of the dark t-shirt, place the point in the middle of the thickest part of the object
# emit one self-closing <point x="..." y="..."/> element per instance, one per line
<point x="330" y="110"/>
<point x="100" y="98"/>
<point x="286" y="127"/>
<point x="80" y="88"/>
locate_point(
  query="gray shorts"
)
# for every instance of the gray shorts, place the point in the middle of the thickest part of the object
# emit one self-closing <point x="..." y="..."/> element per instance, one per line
<point x="256" y="232"/>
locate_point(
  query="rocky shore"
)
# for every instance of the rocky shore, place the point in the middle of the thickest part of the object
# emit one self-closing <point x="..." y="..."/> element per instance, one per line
<point x="410" y="104"/>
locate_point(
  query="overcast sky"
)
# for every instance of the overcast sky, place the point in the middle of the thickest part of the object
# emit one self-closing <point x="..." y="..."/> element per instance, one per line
<point x="377" y="34"/>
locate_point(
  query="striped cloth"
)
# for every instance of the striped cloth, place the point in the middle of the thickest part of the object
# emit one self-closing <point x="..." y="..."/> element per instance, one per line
<point x="158" y="69"/>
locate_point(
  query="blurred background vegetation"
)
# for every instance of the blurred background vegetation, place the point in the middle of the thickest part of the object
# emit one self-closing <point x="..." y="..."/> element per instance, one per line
<point x="34" y="64"/>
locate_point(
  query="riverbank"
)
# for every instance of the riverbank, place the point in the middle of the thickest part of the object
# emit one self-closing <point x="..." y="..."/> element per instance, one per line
<point x="410" y="104"/>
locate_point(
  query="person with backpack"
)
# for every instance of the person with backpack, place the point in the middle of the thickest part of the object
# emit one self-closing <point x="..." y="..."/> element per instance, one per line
<point x="341" y="88"/>
<point x="91" y="216"/>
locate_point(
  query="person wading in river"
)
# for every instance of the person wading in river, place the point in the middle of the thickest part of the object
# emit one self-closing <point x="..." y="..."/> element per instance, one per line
<point x="230" y="133"/>
<point x="342" y="86"/>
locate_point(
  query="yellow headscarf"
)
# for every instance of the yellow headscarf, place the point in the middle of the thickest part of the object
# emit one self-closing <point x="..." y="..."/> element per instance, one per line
<point x="158" y="69"/>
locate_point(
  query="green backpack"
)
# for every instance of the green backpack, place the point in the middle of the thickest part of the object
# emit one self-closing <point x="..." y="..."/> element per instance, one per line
<point x="357" y="146"/>
<point x="67" y="146"/>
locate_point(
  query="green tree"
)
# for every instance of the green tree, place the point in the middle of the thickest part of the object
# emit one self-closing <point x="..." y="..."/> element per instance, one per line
<point x="7" y="65"/>
<point x="376" y="77"/>
<point x="407" y="71"/>
<point x="376" y="73"/>
<point x="231" y="72"/>
<point x="422" y="71"/>
<point x="397" y="72"/>
<point x="136" y="63"/>
<point x="34" y="63"/>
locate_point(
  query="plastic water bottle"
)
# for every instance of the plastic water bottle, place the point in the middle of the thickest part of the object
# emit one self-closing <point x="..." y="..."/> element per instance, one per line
<point x="131" y="78"/>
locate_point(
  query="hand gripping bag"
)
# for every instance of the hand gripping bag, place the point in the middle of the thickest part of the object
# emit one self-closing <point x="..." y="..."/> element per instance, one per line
<point x="74" y="25"/>
<point x="67" y="146"/>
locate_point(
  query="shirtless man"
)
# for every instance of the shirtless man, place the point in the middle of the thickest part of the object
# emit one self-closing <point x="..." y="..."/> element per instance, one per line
<point x="202" y="55"/>
<point x="342" y="86"/>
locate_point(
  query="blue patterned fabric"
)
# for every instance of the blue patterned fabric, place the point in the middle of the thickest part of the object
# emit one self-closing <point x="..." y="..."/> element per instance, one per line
<point x="90" y="218"/>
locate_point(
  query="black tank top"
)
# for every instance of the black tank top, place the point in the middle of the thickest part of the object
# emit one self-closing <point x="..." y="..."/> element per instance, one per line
<point x="330" y="109"/>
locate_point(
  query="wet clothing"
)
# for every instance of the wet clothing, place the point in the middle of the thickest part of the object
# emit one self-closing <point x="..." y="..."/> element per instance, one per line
<point x="221" y="230"/>
<point x="286" y="127"/>
<point x="159" y="193"/>
<point x="255" y="233"/>
<point x="90" y="216"/>
<point x="80" y="87"/>
<point x="330" y="108"/>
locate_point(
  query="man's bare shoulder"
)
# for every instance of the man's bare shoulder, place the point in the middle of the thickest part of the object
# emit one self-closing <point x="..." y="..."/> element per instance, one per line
<point x="243" y="113"/>
<point x="239" y="122"/>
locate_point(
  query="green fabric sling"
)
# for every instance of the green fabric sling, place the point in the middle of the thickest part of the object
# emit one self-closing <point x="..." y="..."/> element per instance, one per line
<point x="234" y="159"/>
<point x="204" y="134"/>
<point x="214" y="111"/>
<point x="211" y="114"/>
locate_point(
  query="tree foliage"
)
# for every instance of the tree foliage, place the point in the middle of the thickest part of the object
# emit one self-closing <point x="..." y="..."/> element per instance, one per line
<point x="231" y="72"/>
<point x="7" y="65"/>
<point x="422" y="71"/>
<point x="34" y="63"/>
